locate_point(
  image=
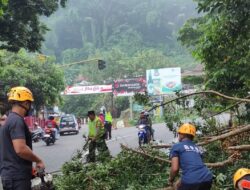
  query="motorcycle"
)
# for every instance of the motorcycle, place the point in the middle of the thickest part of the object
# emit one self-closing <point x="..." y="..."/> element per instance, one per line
<point x="49" y="136"/>
<point x="144" y="135"/>
<point x="37" y="135"/>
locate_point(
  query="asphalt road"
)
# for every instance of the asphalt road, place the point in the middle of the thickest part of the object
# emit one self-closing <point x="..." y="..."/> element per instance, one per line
<point x="55" y="155"/>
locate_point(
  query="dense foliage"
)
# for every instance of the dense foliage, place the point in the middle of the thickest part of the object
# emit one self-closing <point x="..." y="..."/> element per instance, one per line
<point x="221" y="40"/>
<point x="20" y="25"/>
<point x="45" y="80"/>
<point x="130" y="36"/>
<point x="126" y="171"/>
<point x="132" y="25"/>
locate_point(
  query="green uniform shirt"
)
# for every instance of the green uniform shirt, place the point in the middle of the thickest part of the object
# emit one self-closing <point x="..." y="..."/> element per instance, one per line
<point x="96" y="128"/>
<point x="108" y="117"/>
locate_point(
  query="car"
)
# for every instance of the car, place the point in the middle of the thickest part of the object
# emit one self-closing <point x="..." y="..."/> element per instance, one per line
<point x="68" y="124"/>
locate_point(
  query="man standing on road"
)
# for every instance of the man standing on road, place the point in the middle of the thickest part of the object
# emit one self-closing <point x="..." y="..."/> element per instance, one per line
<point x="16" y="154"/>
<point x="108" y="125"/>
<point x="97" y="138"/>
<point x="186" y="156"/>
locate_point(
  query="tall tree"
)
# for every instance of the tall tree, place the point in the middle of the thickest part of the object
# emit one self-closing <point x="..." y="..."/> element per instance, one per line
<point x="20" y="26"/>
<point x="221" y="40"/>
<point x="45" y="80"/>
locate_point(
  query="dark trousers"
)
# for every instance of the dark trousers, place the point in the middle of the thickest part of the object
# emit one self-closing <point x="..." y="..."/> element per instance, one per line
<point x="16" y="184"/>
<point x="102" y="148"/>
<point x="108" y="129"/>
<point x="198" y="186"/>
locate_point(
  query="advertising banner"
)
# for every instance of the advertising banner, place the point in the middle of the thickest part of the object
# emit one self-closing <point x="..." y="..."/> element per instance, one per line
<point x="163" y="81"/>
<point x="96" y="89"/>
<point x="128" y="87"/>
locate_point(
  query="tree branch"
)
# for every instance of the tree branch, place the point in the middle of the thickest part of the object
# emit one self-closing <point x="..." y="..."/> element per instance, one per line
<point x="240" y="148"/>
<point x="162" y="146"/>
<point x="227" y="108"/>
<point x="226" y="135"/>
<point x="230" y="160"/>
<point x="212" y="165"/>
<point x="202" y="92"/>
<point x="208" y="140"/>
<point x="145" y="154"/>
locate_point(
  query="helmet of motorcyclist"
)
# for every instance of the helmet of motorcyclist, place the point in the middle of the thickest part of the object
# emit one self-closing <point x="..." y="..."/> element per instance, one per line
<point x="146" y="113"/>
<point x="36" y="124"/>
<point x="51" y="117"/>
<point x="20" y="94"/>
<point x="240" y="174"/>
<point x="188" y="129"/>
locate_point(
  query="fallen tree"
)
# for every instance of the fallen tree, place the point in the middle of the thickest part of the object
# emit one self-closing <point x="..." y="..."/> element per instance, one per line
<point x="226" y="135"/>
<point x="203" y="92"/>
<point x="237" y="131"/>
<point x="230" y="160"/>
<point x="240" y="148"/>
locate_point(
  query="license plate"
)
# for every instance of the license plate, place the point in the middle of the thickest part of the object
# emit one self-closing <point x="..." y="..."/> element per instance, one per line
<point x="46" y="135"/>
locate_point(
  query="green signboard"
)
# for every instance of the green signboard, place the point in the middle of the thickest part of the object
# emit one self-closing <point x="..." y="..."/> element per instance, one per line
<point x="163" y="81"/>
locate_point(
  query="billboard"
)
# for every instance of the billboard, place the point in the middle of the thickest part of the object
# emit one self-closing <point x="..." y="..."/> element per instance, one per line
<point x="163" y="81"/>
<point x="128" y="87"/>
<point x="96" y="89"/>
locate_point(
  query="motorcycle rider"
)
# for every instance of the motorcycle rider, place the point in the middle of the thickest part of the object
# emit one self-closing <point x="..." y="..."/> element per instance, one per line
<point x="150" y="125"/>
<point x="16" y="154"/>
<point x="186" y="156"/>
<point x="96" y="137"/>
<point x="242" y="179"/>
<point x="145" y="120"/>
<point x="51" y="123"/>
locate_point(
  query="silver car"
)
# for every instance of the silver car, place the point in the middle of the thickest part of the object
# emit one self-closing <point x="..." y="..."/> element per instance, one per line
<point x="68" y="124"/>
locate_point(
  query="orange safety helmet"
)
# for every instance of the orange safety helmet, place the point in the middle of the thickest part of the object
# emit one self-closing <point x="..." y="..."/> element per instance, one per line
<point x="20" y="94"/>
<point x="188" y="129"/>
<point x="239" y="174"/>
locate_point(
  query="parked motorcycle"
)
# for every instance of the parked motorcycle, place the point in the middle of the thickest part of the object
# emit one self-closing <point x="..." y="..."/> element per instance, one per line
<point x="144" y="135"/>
<point x="37" y="135"/>
<point x="49" y="136"/>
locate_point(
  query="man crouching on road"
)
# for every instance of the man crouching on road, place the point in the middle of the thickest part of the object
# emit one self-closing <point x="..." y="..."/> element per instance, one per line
<point x="97" y="138"/>
<point x="16" y="154"/>
<point x="187" y="156"/>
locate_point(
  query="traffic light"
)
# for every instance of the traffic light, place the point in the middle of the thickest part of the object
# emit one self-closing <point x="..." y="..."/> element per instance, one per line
<point x="101" y="64"/>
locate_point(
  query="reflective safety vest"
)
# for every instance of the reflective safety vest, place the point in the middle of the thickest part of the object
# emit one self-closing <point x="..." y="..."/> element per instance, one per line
<point x="108" y="117"/>
<point x="94" y="126"/>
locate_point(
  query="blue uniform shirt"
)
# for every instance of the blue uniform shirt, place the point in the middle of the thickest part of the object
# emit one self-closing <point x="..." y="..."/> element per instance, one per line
<point x="193" y="169"/>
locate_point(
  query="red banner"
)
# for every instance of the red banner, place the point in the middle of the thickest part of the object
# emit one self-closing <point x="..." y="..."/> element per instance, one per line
<point x="128" y="87"/>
